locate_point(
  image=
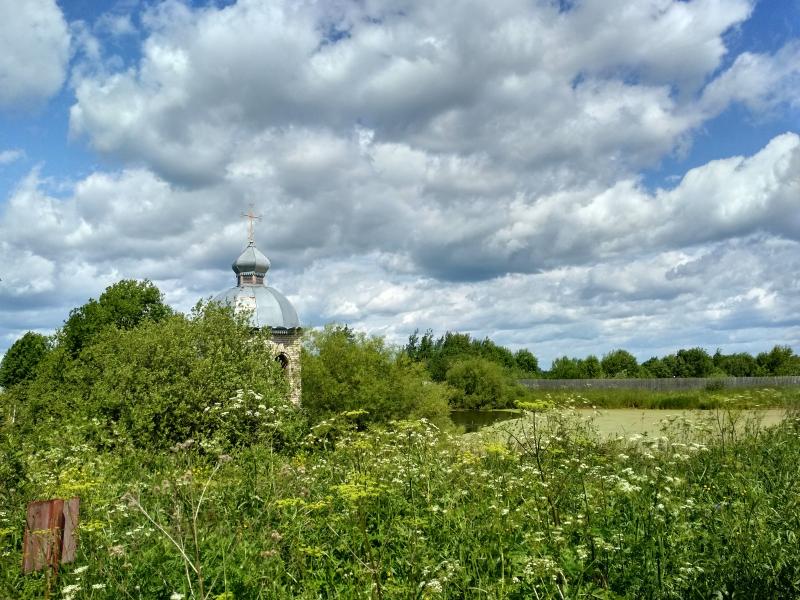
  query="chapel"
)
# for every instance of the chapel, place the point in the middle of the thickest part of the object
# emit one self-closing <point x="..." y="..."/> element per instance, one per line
<point x="267" y="308"/>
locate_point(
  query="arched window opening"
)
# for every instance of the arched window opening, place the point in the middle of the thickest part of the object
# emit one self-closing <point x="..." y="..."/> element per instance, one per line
<point x="283" y="360"/>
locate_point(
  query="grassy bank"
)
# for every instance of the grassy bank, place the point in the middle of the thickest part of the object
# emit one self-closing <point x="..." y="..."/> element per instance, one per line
<point x="784" y="397"/>
<point x="409" y="512"/>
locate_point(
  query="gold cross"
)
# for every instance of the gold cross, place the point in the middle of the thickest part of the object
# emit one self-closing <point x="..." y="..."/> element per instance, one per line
<point x="251" y="217"/>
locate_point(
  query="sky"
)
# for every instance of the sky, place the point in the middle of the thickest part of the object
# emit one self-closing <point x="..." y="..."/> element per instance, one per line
<point x="565" y="176"/>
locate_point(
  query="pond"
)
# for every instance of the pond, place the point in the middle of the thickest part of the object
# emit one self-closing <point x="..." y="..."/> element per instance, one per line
<point x="616" y="421"/>
<point x="473" y="420"/>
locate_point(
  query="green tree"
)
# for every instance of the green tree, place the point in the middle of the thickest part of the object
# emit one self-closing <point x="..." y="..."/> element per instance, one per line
<point x="694" y="362"/>
<point x="656" y="367"/>
<point x="345" y="371"/>
<point x="566" y="368"/>
<point x="164" y="382"/>
<point x="740" y="364"/>
<point x="22" y="359"/>
<point x="591" y="367"/>
<point x="619" y="363"/>
<point x="526" y="362"/>
<point x="479" y="383"/>
<point x="781" y="360"/>
<point x="123" y="305"/>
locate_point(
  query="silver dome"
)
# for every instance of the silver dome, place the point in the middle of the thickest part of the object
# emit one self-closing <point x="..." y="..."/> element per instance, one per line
<point x="251" y="261"/>
<point x="269" y="307"/>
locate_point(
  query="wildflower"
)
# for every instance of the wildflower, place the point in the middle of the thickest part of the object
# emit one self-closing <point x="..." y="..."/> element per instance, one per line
<point x="98" y="586"/>
<point x="176" y="596"/>
<point x="80" y="570"/>
<point x="276" y="536"/>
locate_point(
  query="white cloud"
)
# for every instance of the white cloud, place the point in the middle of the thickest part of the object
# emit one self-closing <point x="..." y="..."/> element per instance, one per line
<point x="472" y="165"/>
<point x="759" y="81"/>
<point x="9" y="156"/>
<point x="576" y="272"/>
<point x="35" y="42"/>
<point x="584" y="93"/>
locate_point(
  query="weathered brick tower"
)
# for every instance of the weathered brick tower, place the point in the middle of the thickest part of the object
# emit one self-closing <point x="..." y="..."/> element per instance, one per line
<point x="267" y="308"/>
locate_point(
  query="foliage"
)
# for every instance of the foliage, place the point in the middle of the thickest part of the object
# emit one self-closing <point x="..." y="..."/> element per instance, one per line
<point x="548" y="510"/>
<point x="348" y="371"/>
<point x="22" y="359"/>
<point x="161" y="383"/>
<point x="619" y="363"/>
<point x="441" y="354"/>
<point x="479" y="383"/>
<point x="123" y="305"/>
<point x="781" y="360"/>
<point x="526" y="362"/>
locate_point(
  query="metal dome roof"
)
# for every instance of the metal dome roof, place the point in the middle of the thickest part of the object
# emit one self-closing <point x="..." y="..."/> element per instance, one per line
<point x="269" y="307"/>
<point x="251" y="261"/>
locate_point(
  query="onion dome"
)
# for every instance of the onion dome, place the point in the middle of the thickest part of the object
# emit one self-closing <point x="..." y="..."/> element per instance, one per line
<point x="251" y="262"/>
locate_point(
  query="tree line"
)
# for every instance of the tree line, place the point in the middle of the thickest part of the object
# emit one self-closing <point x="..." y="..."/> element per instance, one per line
<point x="131" y="359"/>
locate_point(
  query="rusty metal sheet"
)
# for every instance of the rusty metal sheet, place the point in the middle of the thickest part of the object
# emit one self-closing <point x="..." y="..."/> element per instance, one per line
<point x="50" y="534"/>
<point x="42" y="541"/>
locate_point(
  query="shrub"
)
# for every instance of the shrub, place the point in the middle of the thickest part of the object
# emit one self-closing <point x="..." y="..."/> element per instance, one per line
<point x="154" y="385"/>
<point x="479" y="383"/>
<point x="348" y="371"/>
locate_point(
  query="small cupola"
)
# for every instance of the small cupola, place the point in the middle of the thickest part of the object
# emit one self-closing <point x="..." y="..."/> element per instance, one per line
<point x="251" y="267"/>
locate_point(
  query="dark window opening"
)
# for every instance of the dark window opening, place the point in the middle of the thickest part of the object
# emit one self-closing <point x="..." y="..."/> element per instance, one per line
<point x="283" y="359"/>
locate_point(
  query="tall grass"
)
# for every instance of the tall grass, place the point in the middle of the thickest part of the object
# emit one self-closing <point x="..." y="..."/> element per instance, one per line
<point x="783" y="397"/>
<point x="553" y="511"/>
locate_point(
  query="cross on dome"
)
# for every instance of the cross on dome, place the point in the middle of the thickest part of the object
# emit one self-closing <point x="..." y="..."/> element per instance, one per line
<point x="251" y="219"/>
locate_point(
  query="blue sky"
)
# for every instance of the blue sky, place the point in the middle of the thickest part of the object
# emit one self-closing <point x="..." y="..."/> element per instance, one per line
<point x="618" y="174"/>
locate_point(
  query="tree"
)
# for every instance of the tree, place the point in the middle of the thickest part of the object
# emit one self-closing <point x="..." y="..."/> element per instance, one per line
<point x="619" y="363"/>
<point x="526" y="362"/>
<point x="565" y="368"/>
<point x="22" y="359"/>
<point x="591" y="368"/>
<point x="740" y="364"/>
<point x="348" y="373"/>
<point x="781" y="360"/>
<point x="480" y="383"/>
<point x="164" y="382"/>
<point x="694" y="362"/>
<point x="123" y="305"/>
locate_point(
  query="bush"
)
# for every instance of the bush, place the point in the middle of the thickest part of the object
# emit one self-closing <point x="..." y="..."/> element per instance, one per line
<point x="479" y="383"/>
<point x="159" y="383"/>
<point x="345" y="371"/>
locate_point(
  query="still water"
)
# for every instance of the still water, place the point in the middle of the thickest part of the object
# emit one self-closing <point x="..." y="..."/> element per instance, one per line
<point x="623" y="421"/>
<point x="473" y="420"/>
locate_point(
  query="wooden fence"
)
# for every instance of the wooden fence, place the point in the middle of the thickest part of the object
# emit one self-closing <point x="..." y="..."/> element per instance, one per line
<point x="661" y="385"/>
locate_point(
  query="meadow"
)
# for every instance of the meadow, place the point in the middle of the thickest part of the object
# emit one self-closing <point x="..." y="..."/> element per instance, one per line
<point x="198" y="479"/>
<point x="743" y="398"/>
<point x="407" y="510"/>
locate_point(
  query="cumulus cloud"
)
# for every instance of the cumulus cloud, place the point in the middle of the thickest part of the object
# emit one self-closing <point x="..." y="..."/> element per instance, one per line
<point x="588" y="91"/>
<point x="35" y="42"/>
<point x="472" y="166"/>
<point x="759" y="81"/>
<point x="584" y="271"/>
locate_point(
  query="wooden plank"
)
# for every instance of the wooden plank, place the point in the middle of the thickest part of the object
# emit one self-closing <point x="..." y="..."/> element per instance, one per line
<point x="69" y="542"/>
